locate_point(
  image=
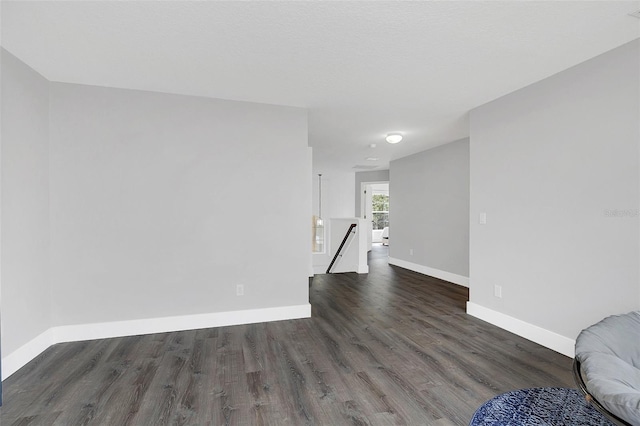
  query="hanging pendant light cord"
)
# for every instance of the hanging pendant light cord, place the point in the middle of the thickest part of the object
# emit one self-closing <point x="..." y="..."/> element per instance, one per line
<point x="319" y="195"/>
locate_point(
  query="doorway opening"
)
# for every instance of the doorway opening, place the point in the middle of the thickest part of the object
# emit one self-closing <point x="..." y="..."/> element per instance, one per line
<point x="374" y="207"/>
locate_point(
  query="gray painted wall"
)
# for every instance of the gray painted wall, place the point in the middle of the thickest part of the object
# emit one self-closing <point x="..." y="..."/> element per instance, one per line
<point x="26" y="295"/>
<point x="121" y="205"/>
<point x="550" y="165"/>
<point x="373" y="176"/>
<point x="161" y="204"/>
<point x="429" y="208"/>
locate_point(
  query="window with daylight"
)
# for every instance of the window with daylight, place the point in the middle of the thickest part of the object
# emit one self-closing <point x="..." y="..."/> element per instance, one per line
<point x="380" y="211"/>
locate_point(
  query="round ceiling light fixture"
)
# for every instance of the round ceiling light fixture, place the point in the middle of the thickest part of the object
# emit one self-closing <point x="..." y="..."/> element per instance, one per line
<point x="393" y="137"/>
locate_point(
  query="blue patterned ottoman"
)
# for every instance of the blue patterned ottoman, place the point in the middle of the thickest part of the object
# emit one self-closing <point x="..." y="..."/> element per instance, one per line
<point x="539" y="406"/>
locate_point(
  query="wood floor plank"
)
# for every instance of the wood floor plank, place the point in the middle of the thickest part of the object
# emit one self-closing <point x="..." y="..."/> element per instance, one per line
<point x="391" y="347"/>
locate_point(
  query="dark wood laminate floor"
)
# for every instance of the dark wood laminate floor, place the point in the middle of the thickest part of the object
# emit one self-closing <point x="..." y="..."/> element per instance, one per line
<point x="391" y="347"/>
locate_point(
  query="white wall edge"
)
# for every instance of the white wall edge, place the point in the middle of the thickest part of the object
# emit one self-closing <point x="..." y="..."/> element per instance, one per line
<point x="432" y="272"/>
<point x="536" y="334"/>
<point x="319" y="269"/>
<point x="25" y="353"/>
<point x="74" y="333"/>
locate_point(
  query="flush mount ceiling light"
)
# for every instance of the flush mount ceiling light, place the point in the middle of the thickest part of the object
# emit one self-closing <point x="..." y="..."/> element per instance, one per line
<point x="393" y="137"/>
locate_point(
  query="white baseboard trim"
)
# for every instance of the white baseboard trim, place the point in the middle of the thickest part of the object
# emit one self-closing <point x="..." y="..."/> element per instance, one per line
<point x="74" y="333"/>
<point x="359" y="269"/>
<point x="432" y="272"/>
<point x="362" y="269"/>
<point x="544" y="337"/>
<point x="25" y="353"/>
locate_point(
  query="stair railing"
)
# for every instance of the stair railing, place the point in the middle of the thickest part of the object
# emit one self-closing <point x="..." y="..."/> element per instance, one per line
<point x="344" y="241"/>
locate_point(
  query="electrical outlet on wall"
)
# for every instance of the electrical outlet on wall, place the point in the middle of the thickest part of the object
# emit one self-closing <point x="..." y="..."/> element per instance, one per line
<point x="497" y="291"/>
<point x="482" y="219"/>
<point x="239" y="290"/>
<point x="410" y="252"/>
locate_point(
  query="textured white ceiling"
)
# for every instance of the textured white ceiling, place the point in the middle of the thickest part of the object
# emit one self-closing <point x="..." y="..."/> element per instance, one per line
<point x="363" y="69"/>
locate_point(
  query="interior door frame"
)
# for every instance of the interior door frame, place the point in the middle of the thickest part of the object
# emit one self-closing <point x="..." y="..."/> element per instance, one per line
<point x="363" y="209"/>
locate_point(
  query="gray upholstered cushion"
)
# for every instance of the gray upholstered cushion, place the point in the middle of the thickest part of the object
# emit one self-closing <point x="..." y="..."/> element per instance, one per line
<point x="609" y="354"/>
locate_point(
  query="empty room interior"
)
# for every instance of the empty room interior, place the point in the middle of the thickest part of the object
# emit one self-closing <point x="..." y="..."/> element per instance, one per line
<point x="176" y="179"/>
